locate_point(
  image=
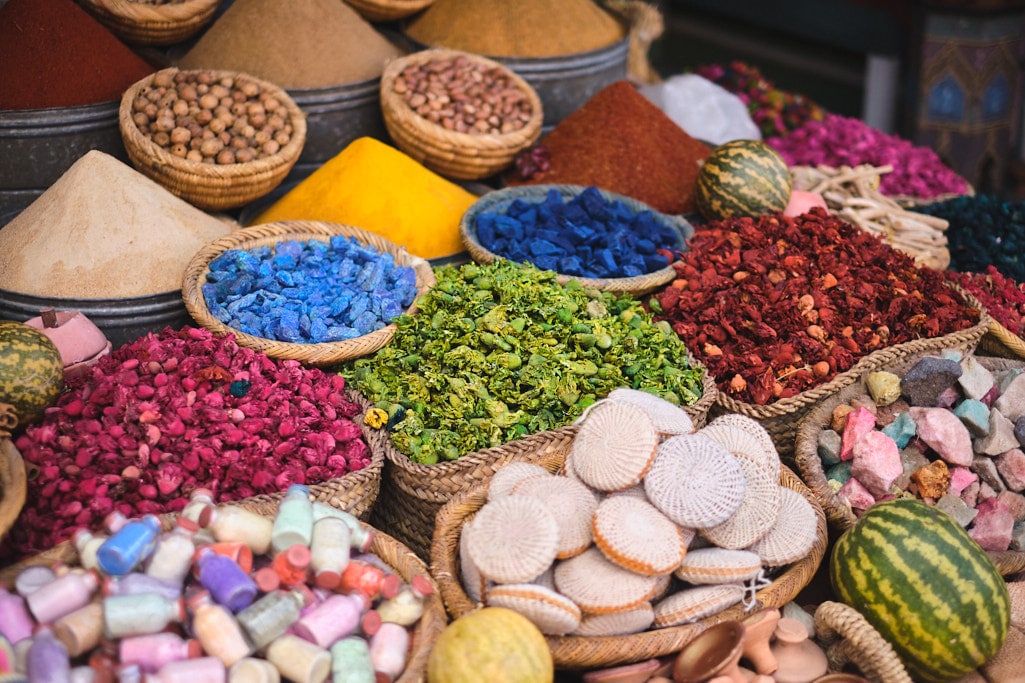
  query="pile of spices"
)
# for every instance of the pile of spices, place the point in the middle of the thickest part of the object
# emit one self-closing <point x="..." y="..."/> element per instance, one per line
<point x="503" y="350"/>
<point x="372" y="185"/>
<point x="308" y="292"/>
<point x="297" y="44"/>
<point x="774" y="306"/>
<point x="985" y="230"/>
<point x="227" y="593"/>
<point x="774" y="111"/>
<point x="527" y="28"/>
<point x="173" y="412"/>
<point x="54" y="54"/>
<point x="587" y="236"/>
<point x="621" y="142"/>
<point x="103" y="231"/>
<point x="1003" y="297"/>
<point x="842" y="141"/>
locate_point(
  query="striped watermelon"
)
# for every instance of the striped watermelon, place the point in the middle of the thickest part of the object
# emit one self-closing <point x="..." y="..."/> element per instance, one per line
<point x="31" y="370"/>
<point x="743" y="178"/>
<point x="925" y="585"/>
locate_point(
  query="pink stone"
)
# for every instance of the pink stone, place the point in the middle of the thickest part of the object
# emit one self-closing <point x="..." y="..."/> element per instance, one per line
<point x="860" y="422"/>
<point x="1014" y="502"/>
<point x="960" y="478"/>
<point x="802" y="202"/>
<point x="970" y="494"/>
<point x="876" y="462"/>
<point x="857" y="495"/>
<point x="1011" y="466"/>
<point x="993" y="526"/>
<point x="945" y="434"/>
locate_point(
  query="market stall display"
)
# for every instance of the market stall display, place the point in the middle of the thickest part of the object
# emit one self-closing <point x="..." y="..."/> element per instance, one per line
<point x="139" y="22"/>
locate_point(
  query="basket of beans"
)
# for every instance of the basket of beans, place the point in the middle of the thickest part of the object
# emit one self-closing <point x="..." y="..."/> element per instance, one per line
<point x="388" y="10"/>
<point x="320" y="293"/>
<point x="153" y="22"/>
<point x="217" y="139"/>
<point x="459" y="114"/>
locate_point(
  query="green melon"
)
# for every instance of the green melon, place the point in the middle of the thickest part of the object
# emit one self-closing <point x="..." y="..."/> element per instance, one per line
<point x="743" y="178"/>
<point x="31" y="370"/>
<point x="925" y="585"/>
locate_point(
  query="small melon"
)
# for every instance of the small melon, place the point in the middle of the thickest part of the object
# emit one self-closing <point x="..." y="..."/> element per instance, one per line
<point x="743" y="178"/>
<point x="31" y="370"/>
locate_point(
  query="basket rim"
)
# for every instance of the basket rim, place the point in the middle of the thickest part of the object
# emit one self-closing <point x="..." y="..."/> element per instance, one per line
<point x="322" y="353"/>
<point x="169" y="163"/>
<point x="1007" y="338"/>
<point x="164" y="16"/>
<point x="577" y="652"/>
<point x="433" y="135"/>
<point x="638" y="284"/>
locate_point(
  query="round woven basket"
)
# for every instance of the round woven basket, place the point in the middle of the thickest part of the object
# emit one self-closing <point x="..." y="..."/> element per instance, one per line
<point x="576" y="652"/>
<point x="782" y="417"/>
<point x="499" y="200"/>
<point x="212" y="187"/>
<point x="12" y="484"/>
<point x="270" y="234"/>
<point x="388" y="10"/>
<point x="140" y="23"/>
<point x="808" y="464"/>
<point x="449" y="153"/>
<point x="398" y="557"/>
<point x="412" y="493"/>
<point x="850" y="640"/>
<point x="1001" y="342"/>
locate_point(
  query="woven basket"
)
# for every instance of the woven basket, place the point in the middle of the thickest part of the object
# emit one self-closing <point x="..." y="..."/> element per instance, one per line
<point x="499" y="200"/>
<point x="269" y="234"/>
<point x="405" y="564"/>
<point x="782" y="417"/>
<point x="452" y="154"/>
<point x="850" y="640"/>
<point x="12" y="484"/>
<point x="809" y="465"/>
<point x="1001" y="342"/>
<point x="575" y="652"/>
<point x="140" y="23"/>
<point x="412" y="493"/>
<point x="212" y="187"/>
<point x="388" y="10"/>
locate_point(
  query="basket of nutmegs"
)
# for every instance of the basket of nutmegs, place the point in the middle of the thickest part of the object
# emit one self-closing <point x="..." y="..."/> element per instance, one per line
<point x="153" y="22"/>
<point x="388" y="10"/>
<point x="217" y="139"/>
<point x="459" y="114"/>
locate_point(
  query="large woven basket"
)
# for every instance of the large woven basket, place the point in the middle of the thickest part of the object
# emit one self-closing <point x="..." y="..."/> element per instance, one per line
<point x="449" y="153"/>
<point x="388" y="10"/>
<point x="782" y="417"/>
<point x="398" y="557"/>
<point x="808" y="464"/>
<point x="850" y="640"/>
<point x="499" y="200"/>
<point x="575" y="652"/>
<point x="12" y="484"/>
<point x="412" y="493"/>
<point x="270" y="234"/>
<point x="141" y="23"/>
<point x="1001" y="342"/>
<point x="212" y="187"/>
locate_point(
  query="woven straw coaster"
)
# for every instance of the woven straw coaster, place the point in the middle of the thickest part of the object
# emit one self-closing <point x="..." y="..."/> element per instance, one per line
<point x="512" y="539"/>
<point x="552" y="613"/>
<point x="614" y="447"/>
<point x="598" y="586"/>
<point x="635" y="535"/>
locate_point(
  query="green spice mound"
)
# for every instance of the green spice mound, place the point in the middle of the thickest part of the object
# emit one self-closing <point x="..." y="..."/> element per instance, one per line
<point x="500" y="351"/>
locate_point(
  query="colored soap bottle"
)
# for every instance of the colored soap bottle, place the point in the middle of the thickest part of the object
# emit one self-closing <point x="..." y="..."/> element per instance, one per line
<point x="407" y="607"/>
<point x="15" y="621"/>
<point x="350" y="661"/>
<point x="270" y="616"/>
<point x="47" y="660"/>
<point x="136" y="615"/>
<point x="172" y="558"/>
<point x="293" y="523"/>
<point x="292" y="565"/>
<point x="389" y="649"/>
<point x="235" y="523"/>
<point x="217" y="630"/>
<point x="81" y="630"/>
<point x="87" y="543"/>
<point x="360" y="537"/>
<point x="329" y="550"/>
<point x="199" y="670"/>
<point x="372" y="581"/>
<point x="31" y="578"/>
<point x="62" y="596"/>
<point x="334" y="618"/>
<point x="253" y="670"/>
<point x="135" y="583"/>
<point x="153" y="650"/>
<point x="129" y="546"/>
<point x="199" y="499"/>
<point x="228" y="583"/>
<point x="299" y="660"/>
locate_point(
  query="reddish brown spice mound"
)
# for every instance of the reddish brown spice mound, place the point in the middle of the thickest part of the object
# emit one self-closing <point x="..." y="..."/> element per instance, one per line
<point x="173" y="412"/>
<point x="1003" y="297"/>
<point x="621" y="142"/>
<point x="774" y="306"/>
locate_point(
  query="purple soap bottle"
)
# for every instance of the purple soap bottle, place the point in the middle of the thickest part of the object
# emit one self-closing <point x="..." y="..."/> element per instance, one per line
<point x="47" y="660"/>
<point x="228" y="583"/>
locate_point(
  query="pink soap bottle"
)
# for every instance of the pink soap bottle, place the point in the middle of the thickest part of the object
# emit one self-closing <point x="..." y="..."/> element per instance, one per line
<point x="152" y="651"/>
<point x="200" y="670"/>
<point x="32" y="578"/>
<point x="389" y="650"/>
<point x="62" y="596"/>
<point x="336" y="617"/>
<point x="15" y="621"/>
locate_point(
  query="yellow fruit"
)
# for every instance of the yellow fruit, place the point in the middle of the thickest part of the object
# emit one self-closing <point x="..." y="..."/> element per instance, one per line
<point x="493" y="644"/>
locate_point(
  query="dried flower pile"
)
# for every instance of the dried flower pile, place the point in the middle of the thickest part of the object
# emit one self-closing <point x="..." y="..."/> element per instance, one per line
<point x="176" y="411"/>
<point x="1003" y="297"/>
<point x="774" y="306"/>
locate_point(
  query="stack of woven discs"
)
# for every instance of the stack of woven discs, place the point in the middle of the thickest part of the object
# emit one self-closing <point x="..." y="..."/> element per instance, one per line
<point x="650" y="523"/>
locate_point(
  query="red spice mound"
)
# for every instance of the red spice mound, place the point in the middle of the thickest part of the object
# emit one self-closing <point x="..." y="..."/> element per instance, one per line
<point x="1003" y="297"/>
<point x="621" y="142"/>
<point x="173" y="412"/>
<point x="774" y="306"/>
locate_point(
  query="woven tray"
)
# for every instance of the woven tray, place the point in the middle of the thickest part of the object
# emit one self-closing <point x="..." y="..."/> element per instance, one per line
<point x="388" y="10"/>
<point x="809" y="465"/>
<point x="269" y="234"/>
<point x="850" y="640"/>
<point x="455" y="155"/>
<point x="575" y="652"/>
<point x="12" y="484"/>
<point x="140" y="23"/>
<point x="1001" y="342"/>
<point x="212" y="187"/>
<point x="782" y="417"/>
<point x="500" y="200"/>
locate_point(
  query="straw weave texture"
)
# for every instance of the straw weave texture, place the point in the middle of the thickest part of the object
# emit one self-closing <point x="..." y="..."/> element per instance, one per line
<point x="12" y="484"/>
<point x="851" y="639"/>
<point x="143" y="24"/>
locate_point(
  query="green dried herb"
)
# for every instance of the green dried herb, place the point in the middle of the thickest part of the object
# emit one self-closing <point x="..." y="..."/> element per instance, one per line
<point x="500" y="351"/>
